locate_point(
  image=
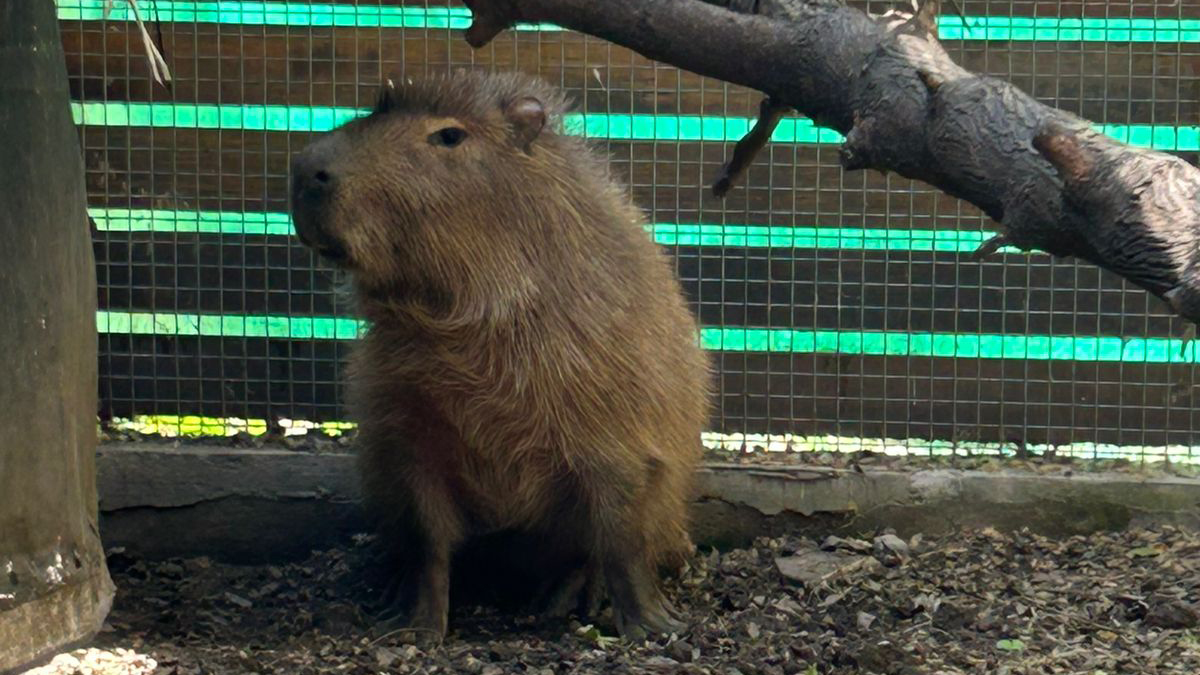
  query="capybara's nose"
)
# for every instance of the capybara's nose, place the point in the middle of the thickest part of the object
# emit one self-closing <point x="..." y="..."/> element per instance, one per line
<point x="313" y="183"/>
<point x="312" y="179"/>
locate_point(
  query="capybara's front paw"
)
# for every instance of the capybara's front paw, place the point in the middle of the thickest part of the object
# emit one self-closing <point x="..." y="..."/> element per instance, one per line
<point x="392" y="602"/>
<point x="422" y="632"/>
<point x="580" y="591"/>
<point x="424" y="626"/>
<point x="647" y="617"/>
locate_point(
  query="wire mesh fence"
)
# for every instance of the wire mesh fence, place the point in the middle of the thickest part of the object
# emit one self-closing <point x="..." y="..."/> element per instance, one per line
<point x="840" y="308"/>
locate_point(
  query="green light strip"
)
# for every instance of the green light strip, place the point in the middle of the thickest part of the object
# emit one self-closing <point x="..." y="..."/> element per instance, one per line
<point x="206" y="222"/>
<point x="636" y="127"/>
<point x="292" y="14"/>
<point x="983" y="346"/>
<point x="730" y="339"/>
<point x="919" y="447"/>
<point x="667" y="234"/>
<point x="610" y="126"/>
<point x="171" y="426"/>
<point x="227" y="325"/>
<point x="1046" y="29"/>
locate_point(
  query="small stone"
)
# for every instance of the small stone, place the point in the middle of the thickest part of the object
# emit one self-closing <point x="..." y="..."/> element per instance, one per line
<point x="410" y="652"/>
<point x="385" y="657"/>
<point x="812" y="567"/>
<point x="502" y="651"/>
<point x="680" y="650"/>
<point x="197" y="565"/>
<point x="492" y="669"/>
<point x="1173" y="614"/>
<point x="890" y="549"/>
<point x="833" y="543"/>
<point x="879" y="657"/>
<point x="788" y="606"/>
<point x="238" y="600"/>
<point x="171" y="569"/>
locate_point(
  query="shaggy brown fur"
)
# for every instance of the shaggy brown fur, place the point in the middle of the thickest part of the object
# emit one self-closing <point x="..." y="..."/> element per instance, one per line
<point x="531" y="365"/>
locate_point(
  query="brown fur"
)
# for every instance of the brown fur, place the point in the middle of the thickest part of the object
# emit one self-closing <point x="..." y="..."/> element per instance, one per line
<point x="531" y="364"/>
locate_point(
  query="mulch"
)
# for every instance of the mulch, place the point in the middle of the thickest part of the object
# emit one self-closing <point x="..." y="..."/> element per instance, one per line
<point x="976" y="601"/>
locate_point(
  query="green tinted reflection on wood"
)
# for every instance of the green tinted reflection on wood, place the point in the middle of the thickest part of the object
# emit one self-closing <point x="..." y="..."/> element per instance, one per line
<point x="1041" y="29"/>
<point x="733" y="339"/>
<point x="610" y="126"/>
<point x="667" y="234"/>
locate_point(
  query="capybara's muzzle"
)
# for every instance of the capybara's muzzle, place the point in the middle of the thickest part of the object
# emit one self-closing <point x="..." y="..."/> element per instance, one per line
<point x="313" y="186"/>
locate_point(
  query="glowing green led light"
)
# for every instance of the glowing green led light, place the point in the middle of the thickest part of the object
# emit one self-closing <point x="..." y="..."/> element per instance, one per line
<point x="733" y="339"/>
<point x="983" y="346"/>
<point x="844" y="238"/>
<point x="228" y="325"/>
<point x="905" y="447"/>
<point x="207" y="222"/>
<point x="634" y="127"/>
<point x="211" y="116"/>
<point x="203" y="425"/>
<point x="667" y="234"/>
<point x="1053" y="29"/>
<point x="610" y="126"/>
<point x="283" y="14"/>
<point x="1040" y="29"/>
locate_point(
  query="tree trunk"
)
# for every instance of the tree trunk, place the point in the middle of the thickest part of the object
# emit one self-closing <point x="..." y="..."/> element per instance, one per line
<point x="54" y="585"/>
<point x="1048" y="179"/>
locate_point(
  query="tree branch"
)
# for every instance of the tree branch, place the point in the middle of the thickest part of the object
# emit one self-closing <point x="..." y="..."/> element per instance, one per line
<point x="1048" y="179"/>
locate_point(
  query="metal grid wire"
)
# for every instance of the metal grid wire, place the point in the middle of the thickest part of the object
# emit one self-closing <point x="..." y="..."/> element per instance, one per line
<point x="193" y="252"/>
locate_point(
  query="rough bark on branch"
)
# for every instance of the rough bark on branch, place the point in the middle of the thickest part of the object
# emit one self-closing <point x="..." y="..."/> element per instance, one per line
<point x="1048" y="179"/>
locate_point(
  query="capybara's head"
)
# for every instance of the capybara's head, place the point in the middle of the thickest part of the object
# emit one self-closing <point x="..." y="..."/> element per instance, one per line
<point x="443" y="186"/>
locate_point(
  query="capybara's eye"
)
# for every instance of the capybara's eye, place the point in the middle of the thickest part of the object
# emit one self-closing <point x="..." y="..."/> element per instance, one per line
<point x="449" y="137"/>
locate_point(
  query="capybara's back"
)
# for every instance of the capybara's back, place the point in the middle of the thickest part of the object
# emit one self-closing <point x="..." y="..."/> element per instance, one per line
<point x="531" y="365"/>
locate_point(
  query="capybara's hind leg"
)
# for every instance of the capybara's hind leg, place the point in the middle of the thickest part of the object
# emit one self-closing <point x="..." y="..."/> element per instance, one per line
<point x="400" y="564"/>
<point x="431" y="606"/>
<point x="639" y="607"/>
<point x="622" y="552"/>
<point x="579" y="590"/>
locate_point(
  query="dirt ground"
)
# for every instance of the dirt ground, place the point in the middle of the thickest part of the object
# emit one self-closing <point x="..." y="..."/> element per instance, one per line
<point x="974" y="602"/>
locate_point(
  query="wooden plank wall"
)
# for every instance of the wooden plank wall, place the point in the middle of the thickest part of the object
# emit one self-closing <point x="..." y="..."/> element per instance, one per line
<point x="800" y="185"/>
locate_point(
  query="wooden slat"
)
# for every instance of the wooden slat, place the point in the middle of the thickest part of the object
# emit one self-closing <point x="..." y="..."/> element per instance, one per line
<point x="805" y="289"/>
<point x="205" y="169"/>
<point x="848" y="395"/>
<point x="800" y="185"/>
<point x="959" y="399"/>
<point x="1114" y="83"/>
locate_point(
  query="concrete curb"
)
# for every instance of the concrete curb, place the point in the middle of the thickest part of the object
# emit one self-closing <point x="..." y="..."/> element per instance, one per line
<point x="258" y="505"/>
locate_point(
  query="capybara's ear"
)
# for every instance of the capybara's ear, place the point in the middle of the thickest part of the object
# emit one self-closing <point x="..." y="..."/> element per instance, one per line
<point x="527" y="116"/>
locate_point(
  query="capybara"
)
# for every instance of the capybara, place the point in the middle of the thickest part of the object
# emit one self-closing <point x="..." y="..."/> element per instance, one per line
<point x="530" y="364"/>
